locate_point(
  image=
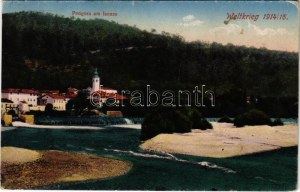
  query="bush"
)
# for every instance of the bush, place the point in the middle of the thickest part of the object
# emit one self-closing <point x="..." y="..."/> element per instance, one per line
<point x="12" y="112"/>
<point x="165" y="120"/>
<point x="198" y="122"/>
<point x="182" y="124"/>
<point x="205" y="124"/>
<point x="172" y="120"/>
<point x="252" y="117"/>
<point x="277" y="122"/>
<point x="196" y="119"/>
<point x="225" y="119"/>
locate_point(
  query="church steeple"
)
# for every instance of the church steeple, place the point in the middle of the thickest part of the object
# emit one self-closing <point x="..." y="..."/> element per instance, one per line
<point x="96" y="74"/>
<point x="96" y="81"/>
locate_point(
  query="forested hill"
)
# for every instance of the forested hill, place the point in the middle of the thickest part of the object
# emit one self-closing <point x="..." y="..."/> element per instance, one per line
<point x="46" y="51"/>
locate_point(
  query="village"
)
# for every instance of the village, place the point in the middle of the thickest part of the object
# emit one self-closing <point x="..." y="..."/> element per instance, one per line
<point x="17" y="101"/>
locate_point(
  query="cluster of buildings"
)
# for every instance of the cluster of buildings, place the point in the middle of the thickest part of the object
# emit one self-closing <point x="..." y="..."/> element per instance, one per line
<point x="24" y="100"/>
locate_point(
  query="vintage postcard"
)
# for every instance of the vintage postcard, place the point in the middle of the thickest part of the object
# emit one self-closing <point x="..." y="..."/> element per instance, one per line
<point x="150" y="95"/>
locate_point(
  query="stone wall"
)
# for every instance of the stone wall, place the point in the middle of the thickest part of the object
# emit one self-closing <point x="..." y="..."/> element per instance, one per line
<point x="28" y="118"/>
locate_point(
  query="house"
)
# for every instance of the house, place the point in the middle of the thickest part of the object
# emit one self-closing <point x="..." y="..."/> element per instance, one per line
<point x="72" y="90"/>
<point x="58" y="101"/>
<point x="19" y="95"/>
<point x="37" y="108"/>
<point x="104" y="96"/>
<point x="109" y="90"/>
<point x="7" y="106"/>
<point x="45" y="92"/>
<point x="23" y="107"/>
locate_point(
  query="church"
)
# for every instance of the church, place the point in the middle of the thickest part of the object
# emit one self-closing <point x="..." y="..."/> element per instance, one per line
<point x="100" y="94"/>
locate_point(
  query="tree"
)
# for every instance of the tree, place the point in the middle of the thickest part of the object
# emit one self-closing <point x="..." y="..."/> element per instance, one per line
<point x="80" y="103"/>
<point x="49" y="109"/>
<point x="12" y="112"/>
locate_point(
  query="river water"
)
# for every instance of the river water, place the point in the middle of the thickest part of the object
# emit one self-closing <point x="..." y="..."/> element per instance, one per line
<point x="275" y="170"/>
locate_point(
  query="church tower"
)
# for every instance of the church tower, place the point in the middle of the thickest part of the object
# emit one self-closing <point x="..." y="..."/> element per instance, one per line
<point x="96" y="81"/>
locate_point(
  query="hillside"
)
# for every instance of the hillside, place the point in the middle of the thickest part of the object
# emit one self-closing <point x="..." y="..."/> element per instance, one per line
<point x="46" y="51"/>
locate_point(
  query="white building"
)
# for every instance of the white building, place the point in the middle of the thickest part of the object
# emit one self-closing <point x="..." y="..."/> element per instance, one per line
<point x="96" y="81"/>
<point x="23" y="107"/>
<point x="96" y="86"/>
<point x="58" y="101"/>
<point x="21" y="95"/>
<point x="99" y="94"/>
<point x="7" y="106"/>
<point x="38" y="108"/>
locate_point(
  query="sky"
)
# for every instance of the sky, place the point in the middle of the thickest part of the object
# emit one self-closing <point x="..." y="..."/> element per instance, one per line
<point x="193" y="20"/>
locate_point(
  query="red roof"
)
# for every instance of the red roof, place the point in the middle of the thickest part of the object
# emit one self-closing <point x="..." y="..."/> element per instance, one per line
<point x="50" y="91"/>
<point x="27" y="91"/>
<point x="107" y="88"/>
<point x="72" y="89"/>
<point x="120" y="97"/>
<point x="56" y="96"/>
<point x="111" y="95"/>
<point x="70" y="95"/>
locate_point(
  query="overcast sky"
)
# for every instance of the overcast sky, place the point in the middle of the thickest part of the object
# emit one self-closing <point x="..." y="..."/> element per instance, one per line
<point x="193" y="20"/>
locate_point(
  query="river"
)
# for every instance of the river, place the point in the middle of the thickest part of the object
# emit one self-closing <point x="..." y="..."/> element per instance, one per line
<point x="275" y="170"/>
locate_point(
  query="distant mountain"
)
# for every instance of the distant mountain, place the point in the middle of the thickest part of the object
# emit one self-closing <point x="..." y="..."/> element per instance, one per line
<point x="46" y="51"/>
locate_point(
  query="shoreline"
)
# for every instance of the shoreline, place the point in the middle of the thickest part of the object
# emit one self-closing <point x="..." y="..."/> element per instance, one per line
<point x="35" y="169"/>
<point x="126" y="126"/>
<point x="224" y="141"/>
<point x="18" y="124"/>
<point x="26" y="125"/>
<point x="262" y="152"/>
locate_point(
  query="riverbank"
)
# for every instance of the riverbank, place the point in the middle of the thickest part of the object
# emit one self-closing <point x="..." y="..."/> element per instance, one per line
<point x="269" y="171"/>
<point x="8" y="128"/>
<point x="127" y="126"/>
<point x="21" y="124"/>
<point x="225" y="140"/>
<point x="26" y="169"/>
